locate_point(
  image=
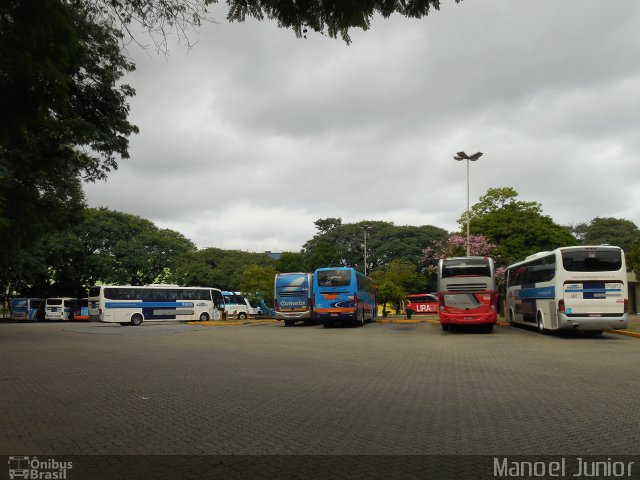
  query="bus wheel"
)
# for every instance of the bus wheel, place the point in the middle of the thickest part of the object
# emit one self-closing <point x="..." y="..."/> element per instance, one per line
<point x="242" y="316"/>
<point x="136" y="319"/>
<point x="488" y="328"/>
<point x="327" y="323"/>
<point x="593" y="332"/>
<point x="541" y="328"/>
<point x="204" y="317"/>
<point x="361" y="317"/>
<point x="445" y="327"/>
<point x="289" y="323"/>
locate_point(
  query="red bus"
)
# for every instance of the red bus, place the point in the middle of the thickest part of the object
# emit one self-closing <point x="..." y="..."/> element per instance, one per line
<point x="421" y="304"/>
<point x="467" y="292"/>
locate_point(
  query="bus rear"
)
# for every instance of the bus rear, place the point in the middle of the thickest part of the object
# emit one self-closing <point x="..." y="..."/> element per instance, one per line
<point x="58" y="308"/>
<point x="24" y="309"/>
<point x="80" y="309"/>
<point x="292" y="297"/>
<point x="594" y="294"/>
<point x="342" y="293"/>
<point x="467" y="292"/>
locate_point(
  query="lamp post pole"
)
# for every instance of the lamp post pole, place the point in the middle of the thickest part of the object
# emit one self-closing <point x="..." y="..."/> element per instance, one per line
<point x="463" y="156"/>
<point x="365" y="228"/>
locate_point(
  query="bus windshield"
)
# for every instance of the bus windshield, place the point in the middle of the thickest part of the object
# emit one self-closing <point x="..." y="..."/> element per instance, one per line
<point x="592" y="260"/>
<point x="334" y="278"/>
<point x="466" y="267"/>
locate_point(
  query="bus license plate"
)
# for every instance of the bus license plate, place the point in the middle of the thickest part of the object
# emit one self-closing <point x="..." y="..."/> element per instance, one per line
<point x="468" y="318"/>
<point x="595" y="315"/>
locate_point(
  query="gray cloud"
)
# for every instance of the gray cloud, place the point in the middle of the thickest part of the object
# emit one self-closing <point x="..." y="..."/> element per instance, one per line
<point x="252" y="135"/>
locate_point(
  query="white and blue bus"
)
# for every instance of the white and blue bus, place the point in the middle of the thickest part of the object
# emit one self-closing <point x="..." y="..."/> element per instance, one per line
<point x="342" y="293"/>
<point x="293" y="298"/>
<point x="24" y="309"/>
<point x="573" y="288"/>
<point x="131" y="305"/>
<point x="59" y="308"/>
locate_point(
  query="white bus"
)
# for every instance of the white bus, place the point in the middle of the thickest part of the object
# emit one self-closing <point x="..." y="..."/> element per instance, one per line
<point x="580" y="288"/>
<point x="131" y="305"/>
<point x="58" y="308"/>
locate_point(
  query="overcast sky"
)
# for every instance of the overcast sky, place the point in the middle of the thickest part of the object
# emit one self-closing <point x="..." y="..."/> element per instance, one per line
<point x="253" y="134"/>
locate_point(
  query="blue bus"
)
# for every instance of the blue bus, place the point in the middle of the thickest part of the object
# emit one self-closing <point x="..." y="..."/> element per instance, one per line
<point x="293" y="297"/>
<point x="24" y="309"/>
<point x="342" y="293"/>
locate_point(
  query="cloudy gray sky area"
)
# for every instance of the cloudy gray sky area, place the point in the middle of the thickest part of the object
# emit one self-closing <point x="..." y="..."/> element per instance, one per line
<point x="253" y="134"/>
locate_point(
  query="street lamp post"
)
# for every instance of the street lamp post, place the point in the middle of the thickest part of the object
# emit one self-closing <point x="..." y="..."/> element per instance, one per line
<point x="463" y="156"/>
<point x="365" y="228"/>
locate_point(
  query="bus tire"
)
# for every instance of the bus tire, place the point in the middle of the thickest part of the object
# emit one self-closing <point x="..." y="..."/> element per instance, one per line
<point x="204" y="317"/>
<point x="540" y="323"/>
<point x="445" y="327"/>
<point x="242" y="316"/>
<point x="488" y="328"/>
<point x="361" y="318"/>
<point x="289" y="323"/>
<point x="136" y="319"/>
<point x="593" y="332"/>
<point x="327" y="323"/>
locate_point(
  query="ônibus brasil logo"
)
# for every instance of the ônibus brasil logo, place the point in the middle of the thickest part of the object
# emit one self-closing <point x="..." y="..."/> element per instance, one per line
<point x="36" y="469"/>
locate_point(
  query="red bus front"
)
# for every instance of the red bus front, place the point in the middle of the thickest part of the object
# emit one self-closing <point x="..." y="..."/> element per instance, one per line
<point x="467" y="291"/>
<point x="477" y="308"/>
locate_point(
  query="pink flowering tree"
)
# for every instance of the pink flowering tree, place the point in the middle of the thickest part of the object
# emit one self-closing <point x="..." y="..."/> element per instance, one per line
<point x="456" y="246"/>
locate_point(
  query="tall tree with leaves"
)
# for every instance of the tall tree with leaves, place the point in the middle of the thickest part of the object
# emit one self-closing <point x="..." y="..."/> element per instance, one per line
<point x="518" y="228"/>
<point x="64" y="117"/>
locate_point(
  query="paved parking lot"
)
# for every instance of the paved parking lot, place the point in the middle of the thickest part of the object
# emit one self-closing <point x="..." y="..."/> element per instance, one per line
<point x="403" y="389"/>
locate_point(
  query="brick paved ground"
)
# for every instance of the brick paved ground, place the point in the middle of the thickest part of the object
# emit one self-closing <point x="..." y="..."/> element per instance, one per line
<point x="406" y="389"/>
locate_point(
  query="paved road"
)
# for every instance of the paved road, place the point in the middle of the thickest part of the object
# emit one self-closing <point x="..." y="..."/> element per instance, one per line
<point x="266" y="389"/>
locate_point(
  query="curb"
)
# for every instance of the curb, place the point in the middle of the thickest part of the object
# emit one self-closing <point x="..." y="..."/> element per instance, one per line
<point x="629" y="333"/>
<point x="230" y="323"/>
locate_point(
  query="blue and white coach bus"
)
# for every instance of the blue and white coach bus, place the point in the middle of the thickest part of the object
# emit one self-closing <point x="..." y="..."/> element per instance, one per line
<point x="292" y="297"/>
<point x="580" y="288"/>
<point x="131" y="305"/>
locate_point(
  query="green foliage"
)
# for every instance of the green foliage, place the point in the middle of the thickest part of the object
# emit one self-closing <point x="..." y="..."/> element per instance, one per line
<point x="517" y="228"/>
<point x="214" y="267"/>
<point x="64" y="116"/>
<point x="613" y="231"/>
<point x="325" y="16"/>
<point x="338" y="244"/>
<point x="389" y="292"/>
<point x="256" y="282"/>
<point x="290" y="262"/>
<point x="401" y="273"/>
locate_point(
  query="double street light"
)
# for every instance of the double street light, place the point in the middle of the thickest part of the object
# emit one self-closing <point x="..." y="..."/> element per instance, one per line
<point x="463" y="156"/>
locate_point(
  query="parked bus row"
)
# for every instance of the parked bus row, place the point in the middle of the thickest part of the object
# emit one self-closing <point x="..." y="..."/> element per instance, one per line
<point x="580" y="288"/>
<point x="40" y="309"/>
<point x="327" y="296"/>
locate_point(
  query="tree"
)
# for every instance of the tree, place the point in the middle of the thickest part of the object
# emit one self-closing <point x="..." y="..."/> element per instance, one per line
<point x="322" y="16"/>
<point x="338" y="244"/>
<point x="64" y="117"/>
<point x="613" y="231"/>
<point x="214" y="267"/>
<point x="326" y="16"/>
<point x="517" y="228"/>
<point x="290" y="262"/>
<point x="256" y="282"/>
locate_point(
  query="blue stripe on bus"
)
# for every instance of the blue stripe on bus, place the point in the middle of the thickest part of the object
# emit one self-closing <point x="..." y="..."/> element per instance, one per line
<point x="148" y="304"/>
<point x="537" y="293"/>
<point x="592" y="290"/>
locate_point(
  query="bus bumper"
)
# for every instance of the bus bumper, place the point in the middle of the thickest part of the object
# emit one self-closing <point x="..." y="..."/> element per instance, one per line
<point x="488" y="318"/>
<point x="306" y="315"/>
<point x="592" y="323"/>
